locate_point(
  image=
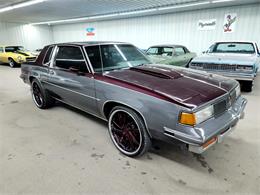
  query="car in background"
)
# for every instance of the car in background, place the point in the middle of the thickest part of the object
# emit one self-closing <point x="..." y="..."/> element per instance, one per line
<point x="237" y="60"/>
<point x="139" y="100"/>
<point x="176" y="55"/>
<point x="36" y="52"/>
<point x="15" y="55"/>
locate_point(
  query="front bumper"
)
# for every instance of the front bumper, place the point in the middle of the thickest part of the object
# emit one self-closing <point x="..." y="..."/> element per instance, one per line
<point x="236" y="76"/>
<point x="237" y="112"/>
<point x="212" y="131"/>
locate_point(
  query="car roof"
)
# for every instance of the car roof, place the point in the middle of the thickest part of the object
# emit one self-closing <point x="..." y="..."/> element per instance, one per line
<point x="91" y="43"/>
<point x="167" y="45"/>
<point x="253" y="42"/>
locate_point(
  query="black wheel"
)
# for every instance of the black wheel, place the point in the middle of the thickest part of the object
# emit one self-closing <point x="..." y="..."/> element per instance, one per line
<point x="12" y="63"/>
<point x="128" y="132"/>
<point x="247" y="86"/>
<point x="40" y="96"/>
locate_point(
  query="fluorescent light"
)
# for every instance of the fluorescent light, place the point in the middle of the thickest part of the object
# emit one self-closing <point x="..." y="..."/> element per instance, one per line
<point x="136" y="12"/>
<point x="184" y="5"/>
<point x="20" y="5"/>
<point x="221" y="1"/>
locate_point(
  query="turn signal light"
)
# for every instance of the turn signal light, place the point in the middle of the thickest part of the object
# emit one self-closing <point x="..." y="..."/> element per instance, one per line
<point x="211" y="141"/>
<point x="188" y="119"/>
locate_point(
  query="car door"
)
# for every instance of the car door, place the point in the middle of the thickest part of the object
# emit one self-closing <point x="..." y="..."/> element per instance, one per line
<point x="1" y="54"/>
<point x="70" y="79"/>
<point x="180" y="56"/>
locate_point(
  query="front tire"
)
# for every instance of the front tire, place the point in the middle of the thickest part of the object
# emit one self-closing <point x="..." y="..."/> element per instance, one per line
<point x="12" y="63"/>
<point x="128" y="132"/>
<point x="40" y="96"/>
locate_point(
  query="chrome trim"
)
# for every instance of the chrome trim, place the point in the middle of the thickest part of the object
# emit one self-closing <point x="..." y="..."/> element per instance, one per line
<point x="114" y="101"/>
<point x="182" y="135"/>
<point x="72" y="91"/>
<point x="48" y="63"/>
<point x="80" y="109"/>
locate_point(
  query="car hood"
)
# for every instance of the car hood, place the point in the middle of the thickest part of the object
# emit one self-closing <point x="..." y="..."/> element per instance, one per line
<point x="224" y="58"/>
<point x="186" y="87"/>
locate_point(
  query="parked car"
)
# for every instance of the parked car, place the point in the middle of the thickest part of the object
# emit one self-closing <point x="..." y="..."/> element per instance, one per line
<point x="139" y="100"/>
<point x="237" y="60"/>
<point x="176" y="55"/>
<point x="15" y="55"/>
<point x="36" y="52"/>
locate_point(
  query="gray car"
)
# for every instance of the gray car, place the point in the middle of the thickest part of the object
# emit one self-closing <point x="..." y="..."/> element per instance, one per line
<point x="140" y="101"/>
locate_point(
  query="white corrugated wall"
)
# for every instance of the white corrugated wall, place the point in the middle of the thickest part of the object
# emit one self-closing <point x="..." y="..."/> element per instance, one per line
<point x="31" y="37"/>
<point x="176" y="28"/>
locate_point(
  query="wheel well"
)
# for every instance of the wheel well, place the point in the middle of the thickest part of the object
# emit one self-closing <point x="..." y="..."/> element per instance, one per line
<point x="31" y="79"/>
<point x="110" y="105"/>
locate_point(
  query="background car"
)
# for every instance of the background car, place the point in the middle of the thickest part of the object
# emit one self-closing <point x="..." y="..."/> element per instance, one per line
<point x="176" y="55"/>
<point x="237" y="60"/>
<point x="140" y="101"/>
<point x="15" y="55"/>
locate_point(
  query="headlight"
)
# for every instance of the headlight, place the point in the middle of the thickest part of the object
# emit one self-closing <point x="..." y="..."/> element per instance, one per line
<point x="244" y="68"/>
<point x="198" y="117"/>
<point x="238" y="91"/>
<point x="19" y="57"/>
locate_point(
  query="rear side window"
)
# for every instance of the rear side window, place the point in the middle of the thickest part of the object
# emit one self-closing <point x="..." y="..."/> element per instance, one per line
<point x="70" y="57"/>
<point x="1" y="50"/>
<point x="48" y="55"/>
<point x="179" y="51"/>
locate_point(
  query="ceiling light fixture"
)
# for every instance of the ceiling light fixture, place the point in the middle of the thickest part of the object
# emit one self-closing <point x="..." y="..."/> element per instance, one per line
<point x="184" y="5"/>
<point x="20" y="5"/>
<point x="221" y="1"/>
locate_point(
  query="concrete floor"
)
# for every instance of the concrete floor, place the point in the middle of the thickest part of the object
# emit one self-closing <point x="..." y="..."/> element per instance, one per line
<point x="63" y="151"/>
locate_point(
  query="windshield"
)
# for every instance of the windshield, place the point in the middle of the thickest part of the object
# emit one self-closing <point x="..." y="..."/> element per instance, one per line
<point x="242" y="48"/>
<point x="14" y="49"/>
<point x="162" y="51"/>
<point x="114" y="57"/>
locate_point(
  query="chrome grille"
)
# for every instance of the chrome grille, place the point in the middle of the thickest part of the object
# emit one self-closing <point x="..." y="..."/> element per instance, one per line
<point x="30" y="59"/>
<point x="220" y="107"/>
<point x="221" y="67"/>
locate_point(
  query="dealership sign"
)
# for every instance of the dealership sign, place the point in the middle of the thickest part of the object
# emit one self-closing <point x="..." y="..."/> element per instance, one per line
<point x="207" y="24"/>
<point x="90" y="31"/>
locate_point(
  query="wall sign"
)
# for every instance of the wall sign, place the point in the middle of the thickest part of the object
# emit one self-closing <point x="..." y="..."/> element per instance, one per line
<point x="207" y="24"/>
<point x="230" y="21"/>
<point x="90" y="31"/>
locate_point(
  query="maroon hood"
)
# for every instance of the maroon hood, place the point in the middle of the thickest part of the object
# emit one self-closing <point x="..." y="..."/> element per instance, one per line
<point x="184" y="86"/>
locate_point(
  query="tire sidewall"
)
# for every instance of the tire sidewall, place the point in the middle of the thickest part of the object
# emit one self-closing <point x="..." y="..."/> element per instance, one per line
<point x="35" y="81"/>
<point x="12" y="63"/>
<point x="139" y="123"/>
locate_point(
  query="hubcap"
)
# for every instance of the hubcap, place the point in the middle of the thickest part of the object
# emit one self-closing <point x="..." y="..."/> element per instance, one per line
<point x="125" y="132"/>
<point x="37" y="95"/>
<point x="11" y="63"/>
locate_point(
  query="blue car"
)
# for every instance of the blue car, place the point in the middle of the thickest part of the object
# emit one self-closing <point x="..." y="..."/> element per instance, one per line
<point x="237" y="60"/>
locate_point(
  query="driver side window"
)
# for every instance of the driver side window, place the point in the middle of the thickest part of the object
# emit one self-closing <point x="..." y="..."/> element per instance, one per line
<point x="70" y="57"/>
<point x="1" y="50"/>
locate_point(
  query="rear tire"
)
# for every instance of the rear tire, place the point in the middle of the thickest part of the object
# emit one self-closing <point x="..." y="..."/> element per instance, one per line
<point x="40" y="96"/>
<point x="247" y="86"/>
<point x="128" y="132"/>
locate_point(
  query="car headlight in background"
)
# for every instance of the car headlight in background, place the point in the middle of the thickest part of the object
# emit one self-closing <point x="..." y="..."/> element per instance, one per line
<point x="245" y="68"/>
<point x="198" y="117"/>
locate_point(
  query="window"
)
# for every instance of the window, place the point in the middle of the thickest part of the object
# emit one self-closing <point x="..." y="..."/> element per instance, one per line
<point x="115" y="57"/>
<point x="1" y="50"/>
<point x="94" y="57"/>
<point x="246" y="48"/>
<point x="179" y="51"/>
<point x="48" y="55"/>
<point x="14" y="49"/>
<point x="70" y="57"/>
<point x="152" y="51"/>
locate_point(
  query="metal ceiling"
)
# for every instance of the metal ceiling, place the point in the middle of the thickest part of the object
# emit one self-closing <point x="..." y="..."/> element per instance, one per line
<point x="66" y="9"/>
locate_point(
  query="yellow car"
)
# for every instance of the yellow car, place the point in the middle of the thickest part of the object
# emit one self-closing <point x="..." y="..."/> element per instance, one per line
<point x="15" y="55"/>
